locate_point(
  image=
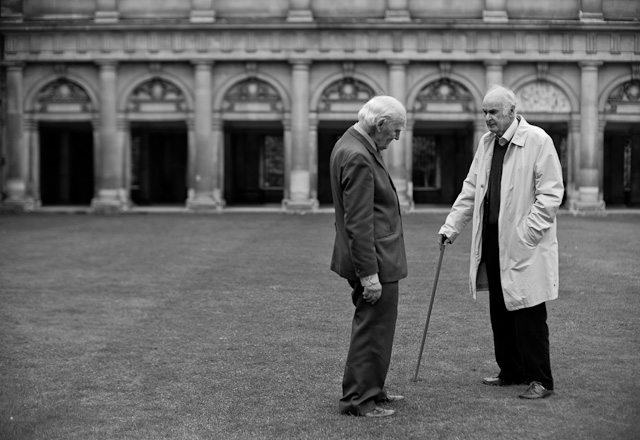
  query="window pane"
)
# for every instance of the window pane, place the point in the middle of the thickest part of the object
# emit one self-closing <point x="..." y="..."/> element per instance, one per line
<point x="425" y="162"/>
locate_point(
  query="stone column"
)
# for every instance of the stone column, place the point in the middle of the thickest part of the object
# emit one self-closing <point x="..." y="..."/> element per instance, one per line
<point x="33" y="145"/>
<point x="300" y="10"/>
<point x="204" y="178"/>
<point x="286" y="126"/>
<point x="495" y="11"/>
<point x="106" y="11"/>
<point x="396" y="155"/>
<point x="124" y="140"/>
<point x="16" y="157"/>
<point x="479" y="129"/>
<point x="202" y="11"/>
<point x="191" y="160"/>
<point x="573" y="167"/>
<point x="591" y="10"/>
<point x="398" y="10"/>
<point x="313" y="155"/>
<point x="109" y="177"/>
<point x="407" y="140"/>
<point x="300" y="177"/>
<point x="588" y="200"/>
<point x="217" y="137"/>
<point x="493" y="69"/>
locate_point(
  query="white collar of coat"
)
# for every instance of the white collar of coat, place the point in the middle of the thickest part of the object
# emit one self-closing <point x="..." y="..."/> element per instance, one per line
<point x="365" y="135"/>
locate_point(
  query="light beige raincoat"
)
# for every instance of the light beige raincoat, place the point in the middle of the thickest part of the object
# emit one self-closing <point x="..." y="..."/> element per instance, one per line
<point x="531" y="191"/>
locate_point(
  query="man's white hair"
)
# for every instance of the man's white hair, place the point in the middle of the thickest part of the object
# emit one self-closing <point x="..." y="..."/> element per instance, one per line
<point x="509" y="99"/>
<point x="382" y="107"/>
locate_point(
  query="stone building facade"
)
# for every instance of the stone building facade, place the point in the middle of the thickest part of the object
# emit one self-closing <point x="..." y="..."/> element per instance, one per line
<point x="205" y="104"/>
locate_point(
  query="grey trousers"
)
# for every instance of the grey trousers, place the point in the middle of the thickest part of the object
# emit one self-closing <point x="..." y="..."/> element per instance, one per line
<point x="372" y="332"/>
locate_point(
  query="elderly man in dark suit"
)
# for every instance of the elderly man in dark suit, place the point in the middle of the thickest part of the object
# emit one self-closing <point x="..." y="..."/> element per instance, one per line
<point x="369" y="251"/>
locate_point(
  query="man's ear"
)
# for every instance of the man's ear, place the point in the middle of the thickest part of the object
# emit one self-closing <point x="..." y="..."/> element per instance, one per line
<point x="379" y="124"/>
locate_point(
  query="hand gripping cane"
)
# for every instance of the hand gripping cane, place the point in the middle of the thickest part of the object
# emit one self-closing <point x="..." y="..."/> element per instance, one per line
<point x="426" y="326"/>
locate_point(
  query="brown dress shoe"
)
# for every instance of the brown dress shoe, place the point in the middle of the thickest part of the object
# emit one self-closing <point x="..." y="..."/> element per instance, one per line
<point x="391" y="398"/>
<point x="536" y="391"/>
<point x="496" y="382"/>
<point x="380" y="412"/>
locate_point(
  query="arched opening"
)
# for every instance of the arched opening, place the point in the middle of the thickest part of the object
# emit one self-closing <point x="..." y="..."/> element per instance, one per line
<point x="159" y="148"/>
<point x="544" y="104"/>
<point x="442" y="141"/>
<point x="65" y="154"/>
<point x="254" y="149"/>
<point x="337" y="111"/>
<point x="621" y="158"/>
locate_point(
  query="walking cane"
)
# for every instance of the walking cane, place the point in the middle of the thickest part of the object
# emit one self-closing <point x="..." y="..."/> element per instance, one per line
<point x="426" y="326"/>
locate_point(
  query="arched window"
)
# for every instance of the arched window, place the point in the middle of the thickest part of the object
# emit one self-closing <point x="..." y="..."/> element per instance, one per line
<point x="625" y="99"/>
<point x="63" y="96"/>
<point x="253" y="95"/>
<point x="444" y="95"/>
<point x="157" y="95"/>
<point x="345" y="95"/>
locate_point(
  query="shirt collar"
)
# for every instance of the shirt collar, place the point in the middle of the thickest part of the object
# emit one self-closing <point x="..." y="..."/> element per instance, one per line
<point x="508" y="135"/>
<point x="366" y="136"/>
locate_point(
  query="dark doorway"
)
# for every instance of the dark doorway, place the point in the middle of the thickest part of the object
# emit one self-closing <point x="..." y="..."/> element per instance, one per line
<point x="254" y="164"/>
<point x="66" y="163"/>
<point x="621" y="167"/>
<point x="159" y="154"/>
<point x="442" y="154"/>
<point x="328" y="135"/>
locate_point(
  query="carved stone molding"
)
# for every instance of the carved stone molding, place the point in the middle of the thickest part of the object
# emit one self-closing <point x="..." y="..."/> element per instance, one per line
<point x="625" y="99"/>
<point x="347" y="94"/>
<point x="444" y="95"/>
<point x="542" y="97"/>
<point x="253" y="95"/>
<point x="63" y="96"/>
<point x="157" y="95"/>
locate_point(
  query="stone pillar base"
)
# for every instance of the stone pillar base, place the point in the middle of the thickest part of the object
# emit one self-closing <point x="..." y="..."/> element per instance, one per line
<point x="396" y="16"/>
<point x="205" y="16"/>
<point x="300" y="15"/>
<point x="495" y="16"/>
<point x="106" y="17"/>
<point x="109" y="201"/>
<point x="205" y="204"/>
<point x="300" y="206"/>
<point x="587" y="202"/>
<point x="17" y="206"/>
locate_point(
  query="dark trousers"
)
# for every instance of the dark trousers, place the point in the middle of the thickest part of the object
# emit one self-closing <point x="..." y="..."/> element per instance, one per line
<point x="372" y="332"/>
<point x="521" y="337"/>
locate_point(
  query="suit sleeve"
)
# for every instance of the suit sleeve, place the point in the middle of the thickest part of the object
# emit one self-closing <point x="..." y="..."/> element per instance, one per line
<point x="357" y="184"/>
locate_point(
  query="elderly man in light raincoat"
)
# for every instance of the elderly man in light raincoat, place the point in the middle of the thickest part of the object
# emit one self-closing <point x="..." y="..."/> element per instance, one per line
<point x="512" y="193"/>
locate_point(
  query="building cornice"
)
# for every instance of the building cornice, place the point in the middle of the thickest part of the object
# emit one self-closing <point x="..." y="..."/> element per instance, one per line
<point x="476" y="44"/>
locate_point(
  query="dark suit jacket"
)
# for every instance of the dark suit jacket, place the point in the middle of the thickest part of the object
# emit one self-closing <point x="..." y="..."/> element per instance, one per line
<point x="369" y="237"/>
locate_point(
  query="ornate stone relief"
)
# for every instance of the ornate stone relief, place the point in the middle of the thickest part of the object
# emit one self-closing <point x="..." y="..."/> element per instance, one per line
<point x="542" y="97"/>
<point x="444" y="95"/>
<point x="63" y="95"/>
<point x="157" y="95"/>
<point x="346" y="94"/>
<point x="625" y="99"/>
<point x="253" y="95"/>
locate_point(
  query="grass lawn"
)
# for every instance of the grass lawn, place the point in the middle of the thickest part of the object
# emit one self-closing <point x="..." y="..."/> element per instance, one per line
<point x="231" y="326"/>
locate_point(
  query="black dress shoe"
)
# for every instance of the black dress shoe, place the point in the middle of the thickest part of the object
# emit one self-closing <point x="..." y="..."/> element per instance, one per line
<point x="536" y="391"/>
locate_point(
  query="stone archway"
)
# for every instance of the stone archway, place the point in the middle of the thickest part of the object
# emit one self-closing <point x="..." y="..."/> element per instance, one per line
<point x="337" y="109"/>
<point x="158" y="153"/>
<point x="621" y="145"/>
<point x="60" y="139"/>
<point x="440" y="140"/>
<point x="255" y="151"/>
